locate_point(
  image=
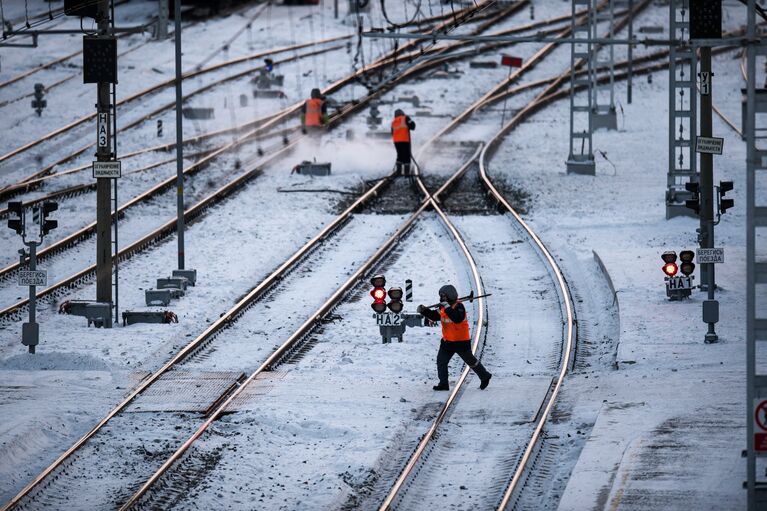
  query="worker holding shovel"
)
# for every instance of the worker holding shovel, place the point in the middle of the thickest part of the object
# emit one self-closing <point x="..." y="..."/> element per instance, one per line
<point x="456" y="338"/>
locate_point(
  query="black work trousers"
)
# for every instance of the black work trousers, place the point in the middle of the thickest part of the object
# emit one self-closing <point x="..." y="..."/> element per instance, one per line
<point x="463" y="349"/>
<point x="403" y="157"/>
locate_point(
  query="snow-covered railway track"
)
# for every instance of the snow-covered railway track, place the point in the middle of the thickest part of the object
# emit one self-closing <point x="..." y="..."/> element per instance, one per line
<point x="44" y="175"/>
<point x="141" y="97"/>
<point x="224" y="321"/>
<point x="162" y="231"/>
<point x="172" y="378"/>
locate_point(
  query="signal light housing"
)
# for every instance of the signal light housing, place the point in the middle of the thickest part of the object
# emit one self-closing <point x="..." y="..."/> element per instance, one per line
<point x="668" y="256"/>
<point x="687" y="267"/>
<point x="725" y="204"/>
<point x="694" y="202"/>
<point x="395" y="297"/>
<point x="378" y="280"/>
<point x="378" y="293"/>
<point x="48" y="225"/>
<point x="17" y="224"/>
<point x="670" y="268"/>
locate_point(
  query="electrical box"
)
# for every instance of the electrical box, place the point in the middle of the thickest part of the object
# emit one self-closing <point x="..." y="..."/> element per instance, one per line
<point x="705" y="19"/>
<point x="99" y="59"/>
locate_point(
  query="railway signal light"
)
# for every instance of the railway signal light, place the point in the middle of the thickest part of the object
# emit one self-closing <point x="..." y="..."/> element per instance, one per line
<point x="48" y="225"/>
<point x="725" y="204"/>
<point x="395" y="297"/>
<point x="39" y="102"/>
<point x="670" y="267"/>
<point x="378" y="293"/>
<point x="17" y="224"/>
<point x="687" y="266"/>
<point x="694" y="202"/>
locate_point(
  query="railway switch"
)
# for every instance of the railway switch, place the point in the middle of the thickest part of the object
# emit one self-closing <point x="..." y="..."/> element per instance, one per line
<point x="39" y="103"/>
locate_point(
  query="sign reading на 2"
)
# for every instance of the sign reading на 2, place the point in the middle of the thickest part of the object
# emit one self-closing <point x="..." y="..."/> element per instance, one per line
<point x="760" y="425"/>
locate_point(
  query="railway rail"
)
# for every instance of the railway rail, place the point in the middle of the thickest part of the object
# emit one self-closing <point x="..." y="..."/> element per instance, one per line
<point x="427" y="202"/>
<point x="222" y="322"/>
<point x="162" y="231"/>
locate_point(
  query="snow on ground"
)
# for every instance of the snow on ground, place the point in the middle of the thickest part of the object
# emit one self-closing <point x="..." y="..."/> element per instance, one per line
<point x="630" y="425"/>
<point x="651" y="418"/>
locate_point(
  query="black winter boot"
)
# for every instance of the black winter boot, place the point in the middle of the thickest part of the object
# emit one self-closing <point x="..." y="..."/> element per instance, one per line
<point x="484" y="382"/>
<point x="441" y="386"/>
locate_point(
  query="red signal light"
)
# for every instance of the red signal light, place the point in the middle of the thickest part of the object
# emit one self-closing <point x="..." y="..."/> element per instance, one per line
<point x="379" y="299"/>
<point x="670" y="269"/>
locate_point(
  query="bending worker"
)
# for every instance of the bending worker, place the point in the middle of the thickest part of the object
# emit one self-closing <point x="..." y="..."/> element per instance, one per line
<point x="400" y="134"/>
<point x="314" y="114"/>
<point x="455" y="336"/>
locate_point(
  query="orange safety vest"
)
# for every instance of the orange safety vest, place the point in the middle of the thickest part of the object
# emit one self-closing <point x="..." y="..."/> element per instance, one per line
<point x="399" y="130"/>
<point x="454" y="331"/>
<point x="313" y="116"/>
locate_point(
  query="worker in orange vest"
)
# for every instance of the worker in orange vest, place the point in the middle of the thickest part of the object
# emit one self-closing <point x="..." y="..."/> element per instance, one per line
<point x="400" y="135"/>
<point x="456" y="337"/>
<point x="314" y="114"/>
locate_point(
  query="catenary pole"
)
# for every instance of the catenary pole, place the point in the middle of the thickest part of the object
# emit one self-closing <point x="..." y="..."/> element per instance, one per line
<point x="179" y="140"/>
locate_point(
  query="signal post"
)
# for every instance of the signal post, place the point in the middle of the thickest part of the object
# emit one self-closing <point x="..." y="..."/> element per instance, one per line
<point x="103" y="153"/>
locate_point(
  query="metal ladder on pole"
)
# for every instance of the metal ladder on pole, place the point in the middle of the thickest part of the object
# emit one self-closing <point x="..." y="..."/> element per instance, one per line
<point x="755" y="120"/>
<point x="580" y="160"/>
<point x="603" y="114"/>
<point x="682" y="112"/>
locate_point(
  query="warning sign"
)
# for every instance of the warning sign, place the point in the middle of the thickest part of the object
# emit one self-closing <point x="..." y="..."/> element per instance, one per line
<point x="760" y="425"/>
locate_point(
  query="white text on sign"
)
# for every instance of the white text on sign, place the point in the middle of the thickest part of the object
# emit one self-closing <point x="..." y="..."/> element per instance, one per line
<point x="388" y="319"/>
<point x="102" y="128"/>
<point x="674" y="283"/>
<point x="33" y="278"/>
<point x="709" y="145"/>
<point x="710" y="255"/>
